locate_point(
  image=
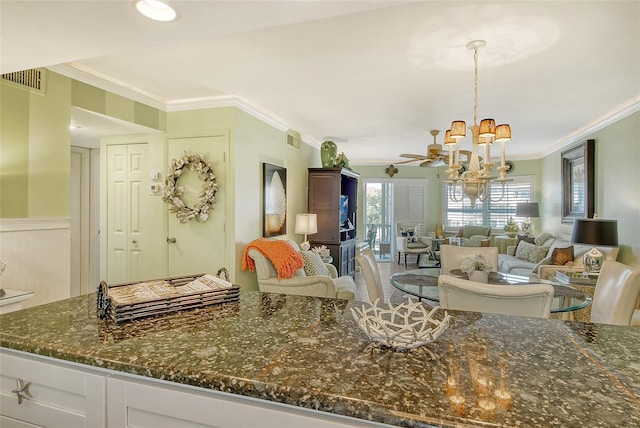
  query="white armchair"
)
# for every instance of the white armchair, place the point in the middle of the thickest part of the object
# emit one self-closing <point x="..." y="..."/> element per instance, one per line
<point x="410" y="241"/>
<point x="532" y="300"/>
<point x="330" y="285"/>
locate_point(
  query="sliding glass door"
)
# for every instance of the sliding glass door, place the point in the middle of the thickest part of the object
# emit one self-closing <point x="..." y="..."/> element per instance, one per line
<point x="378" y="217"/>
<point x="387" y="202"/>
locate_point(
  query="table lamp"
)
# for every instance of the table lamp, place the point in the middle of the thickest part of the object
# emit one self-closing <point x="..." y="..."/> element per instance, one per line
<point x="528" y="210"/>
<point x="594" y="232"/>
<point x="306" y="224"/>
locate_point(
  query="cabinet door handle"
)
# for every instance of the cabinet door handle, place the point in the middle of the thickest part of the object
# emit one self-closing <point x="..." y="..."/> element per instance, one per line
<point x="171" y="240"/>
<point x="22" y="391"/>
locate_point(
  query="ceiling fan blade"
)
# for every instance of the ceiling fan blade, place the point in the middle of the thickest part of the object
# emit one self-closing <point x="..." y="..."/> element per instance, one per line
<point x="426" y="162"/>
<point x="433" y="164"/>
<point x="407" y="161"/>
<point x="413" y="156"/>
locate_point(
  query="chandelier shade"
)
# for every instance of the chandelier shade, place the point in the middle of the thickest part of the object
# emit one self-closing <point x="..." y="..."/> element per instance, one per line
<point x="487" y="128"/>
<point x="503" y="133"/>
<point x="458" y="129"/>
<point x="475" y="180"/>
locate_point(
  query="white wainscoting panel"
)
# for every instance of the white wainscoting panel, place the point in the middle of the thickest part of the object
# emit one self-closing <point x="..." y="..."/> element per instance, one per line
<point x="37" y="254"/>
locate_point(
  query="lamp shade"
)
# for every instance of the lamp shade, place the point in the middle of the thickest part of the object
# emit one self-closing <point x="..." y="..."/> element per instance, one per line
<point x="595" y="232"/>
<point x="458" y="129"/>
<point x="503" y="133"/>
<point x="447" y="138"/>
<point x="527" y="209"/>
<point x="487" y="128"/>
<point x="306" y="223"/>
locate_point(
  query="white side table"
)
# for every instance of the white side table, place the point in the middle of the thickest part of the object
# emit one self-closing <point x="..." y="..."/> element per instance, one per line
<point x="12" y="300"/>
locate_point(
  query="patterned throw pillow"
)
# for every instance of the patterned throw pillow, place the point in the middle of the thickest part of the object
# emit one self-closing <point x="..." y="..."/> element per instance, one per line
<point x="561" y="256"/>
<point x="529" y="239"/>
<point x="531" y="252"/>
<point x="313" y="264"/>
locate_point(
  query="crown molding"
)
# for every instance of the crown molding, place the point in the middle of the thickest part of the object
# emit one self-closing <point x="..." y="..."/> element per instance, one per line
<point x="81" y="74"/>
<point x="582" y="134"/>
<point x="90" y="77"/>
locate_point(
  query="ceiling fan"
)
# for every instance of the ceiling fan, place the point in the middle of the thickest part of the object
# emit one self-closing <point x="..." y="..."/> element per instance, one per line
<point x="436" y="155"/>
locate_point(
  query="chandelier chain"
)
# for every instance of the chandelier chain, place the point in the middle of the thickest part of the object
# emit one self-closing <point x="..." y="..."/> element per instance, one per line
<point x="475" y="86"/>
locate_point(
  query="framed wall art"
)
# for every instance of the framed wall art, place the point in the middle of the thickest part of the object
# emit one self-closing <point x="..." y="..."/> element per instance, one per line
<point x="578" y="181"/>
<point x="274" y="209"/>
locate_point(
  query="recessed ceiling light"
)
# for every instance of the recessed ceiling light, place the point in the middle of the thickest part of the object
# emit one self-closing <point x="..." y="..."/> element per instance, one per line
<point x="156" y="10"/>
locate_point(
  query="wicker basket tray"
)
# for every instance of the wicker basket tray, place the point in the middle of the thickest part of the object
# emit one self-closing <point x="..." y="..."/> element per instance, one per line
<point x="129" y="301"/>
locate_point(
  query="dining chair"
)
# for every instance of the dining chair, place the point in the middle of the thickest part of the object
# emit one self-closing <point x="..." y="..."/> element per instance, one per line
<point x="532" y="300"/>
<point x="451" y="256"/>
<point x="615" y="295"/>
<point x="369" y="268"/>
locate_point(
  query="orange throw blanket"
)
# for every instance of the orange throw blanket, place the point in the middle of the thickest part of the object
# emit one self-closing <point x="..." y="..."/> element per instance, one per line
<point x="284" y="257"/>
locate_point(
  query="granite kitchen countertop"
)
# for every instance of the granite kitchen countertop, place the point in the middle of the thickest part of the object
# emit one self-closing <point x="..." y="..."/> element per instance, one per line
<point x="308" y="352"/>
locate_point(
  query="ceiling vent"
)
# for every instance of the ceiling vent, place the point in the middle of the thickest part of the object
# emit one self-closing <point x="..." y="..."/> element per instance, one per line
<point x="32" y="79"/>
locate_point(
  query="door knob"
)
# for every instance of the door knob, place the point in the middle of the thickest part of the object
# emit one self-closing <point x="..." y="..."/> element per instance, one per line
<point x="171" y="240"/>
<point x="134" y="242"/>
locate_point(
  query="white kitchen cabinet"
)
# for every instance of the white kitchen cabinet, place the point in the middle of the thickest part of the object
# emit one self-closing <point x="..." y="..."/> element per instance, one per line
<point x="63" y="395"/>
<point x="69" y="395"/>
<point x="156" y="405"/>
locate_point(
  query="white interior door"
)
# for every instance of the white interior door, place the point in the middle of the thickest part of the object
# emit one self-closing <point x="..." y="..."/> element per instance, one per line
<point x="199" y="247"/>
<point x="126" y="209"/>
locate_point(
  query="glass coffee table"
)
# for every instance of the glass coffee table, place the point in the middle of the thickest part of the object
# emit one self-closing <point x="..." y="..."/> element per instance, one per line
<point x="423" y="283"/>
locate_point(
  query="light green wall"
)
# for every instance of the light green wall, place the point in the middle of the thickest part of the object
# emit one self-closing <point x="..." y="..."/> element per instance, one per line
<point x="35" y="166"/>
<point x="617" y="188"/>
<point x="34" y="151"/>
<point x="14" y="152"/>
<point x="252" y="143"/>
<point x="255" y="143"/>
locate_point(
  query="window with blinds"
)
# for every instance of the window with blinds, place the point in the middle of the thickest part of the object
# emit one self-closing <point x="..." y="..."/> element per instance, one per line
<point x="496" y="214"/>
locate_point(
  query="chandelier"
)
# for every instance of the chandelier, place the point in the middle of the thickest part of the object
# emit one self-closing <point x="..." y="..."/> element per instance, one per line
<point x="475" y="181"/>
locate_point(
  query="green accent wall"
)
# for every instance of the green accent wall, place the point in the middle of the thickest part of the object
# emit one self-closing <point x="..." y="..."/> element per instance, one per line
<point x="35" y="164"/>
<point x="617" y="187"/>
<point x="252" y="142"/>
<point x="35" y="140"/>
<point x="14" y="152"/>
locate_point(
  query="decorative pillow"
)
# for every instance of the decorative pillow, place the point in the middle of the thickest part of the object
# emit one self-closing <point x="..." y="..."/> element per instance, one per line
<point x="313" y="264"/>
<point x="561" y="256"/>
<point x="531" y="252"/>
<point x="540" y="239"/>
<point x="525" y="238"/>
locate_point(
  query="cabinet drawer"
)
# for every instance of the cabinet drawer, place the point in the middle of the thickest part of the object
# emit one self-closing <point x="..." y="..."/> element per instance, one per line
<point x="62" y="397"/>
<point x="150" y="405"/>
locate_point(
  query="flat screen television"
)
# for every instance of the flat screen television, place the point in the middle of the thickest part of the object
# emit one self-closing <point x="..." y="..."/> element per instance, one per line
<point x="344" y="208"/>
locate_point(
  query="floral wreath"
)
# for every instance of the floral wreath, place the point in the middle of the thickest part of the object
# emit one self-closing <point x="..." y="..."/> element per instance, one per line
<point x="172" y="193"/>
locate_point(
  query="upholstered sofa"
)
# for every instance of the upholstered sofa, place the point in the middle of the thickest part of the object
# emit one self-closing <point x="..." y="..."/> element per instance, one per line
<point x="531" y="253"/>
<point x="326" y="284"/>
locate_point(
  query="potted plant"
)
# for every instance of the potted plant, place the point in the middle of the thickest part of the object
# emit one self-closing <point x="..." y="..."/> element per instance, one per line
<point x="477" y="267"/>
